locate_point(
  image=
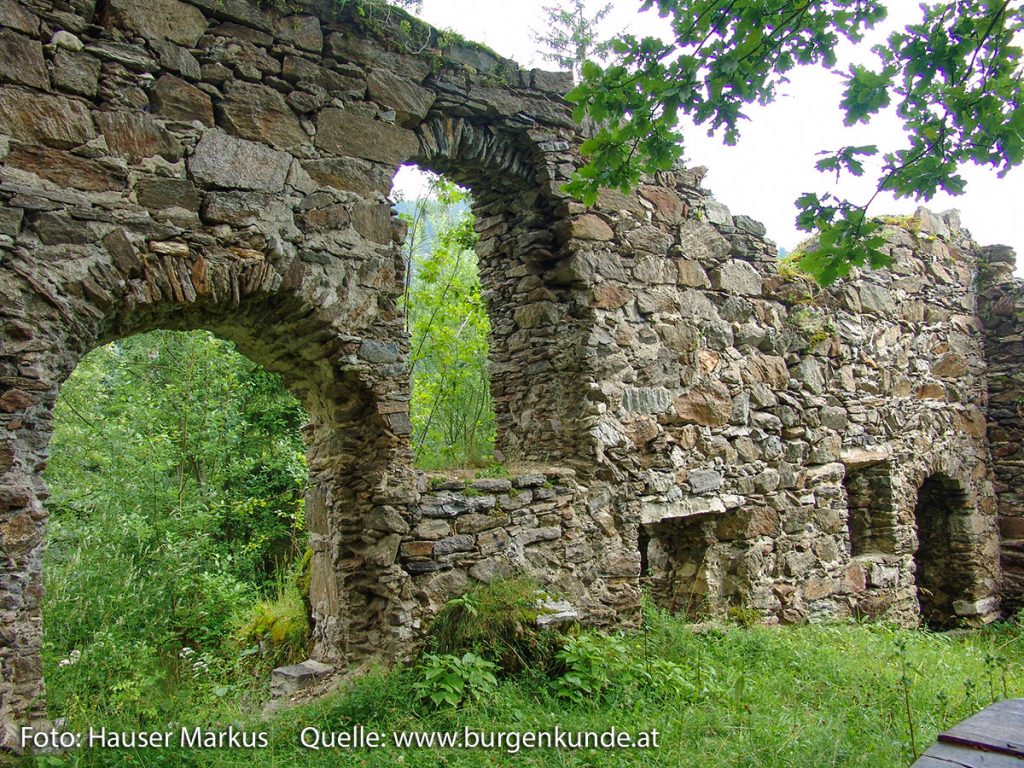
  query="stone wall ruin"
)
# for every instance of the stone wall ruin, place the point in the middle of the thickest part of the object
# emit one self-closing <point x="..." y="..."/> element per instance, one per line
<point x="660" y="381"/>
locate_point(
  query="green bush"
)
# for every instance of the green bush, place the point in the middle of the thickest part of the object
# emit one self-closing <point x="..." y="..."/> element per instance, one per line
<point x="594" y="666"/>
<point x="498" y="621"/>
<point x="451" y="408"/>
<point x="278" y="629"/>
<point x="448" y="679"/>
<point x="177" y="474"/>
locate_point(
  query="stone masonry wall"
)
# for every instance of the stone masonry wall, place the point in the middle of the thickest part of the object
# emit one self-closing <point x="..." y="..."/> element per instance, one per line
<point x="738" y="398"/>
<point x="213" y="164"/>
<point x="1002" y="312"/>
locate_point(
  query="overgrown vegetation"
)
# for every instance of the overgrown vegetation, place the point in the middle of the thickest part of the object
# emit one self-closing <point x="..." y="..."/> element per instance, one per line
<point x="499" y="622"/>
<point x="451" y="409"/>
<point x="178" y="475"/>
<point x="860" y="695"/>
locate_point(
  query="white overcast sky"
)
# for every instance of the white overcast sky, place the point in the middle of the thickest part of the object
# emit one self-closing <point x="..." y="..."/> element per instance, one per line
<point x="774" y="160"/>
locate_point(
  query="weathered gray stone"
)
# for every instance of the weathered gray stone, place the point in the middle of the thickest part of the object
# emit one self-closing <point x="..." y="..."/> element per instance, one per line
<point x="304" y="73"/>
<point x="10" y="221"/>
<point x="748" y="224"/>
<point x="286" y="681"/>
<point x="737" y="277"/>
<point x="177" y="59"/>
<point x="704" y="480"/>
<point x="951" y="365"/>
<point x="65" y="169"/>
<point x="876" y="299"/>
<point x="701" y="242"/>
<point x="492" y="485"/>
<point x="348" y="173"/>
<point x="646" y="400"/>
<point x="16" y="16"/>
<point x="157" y="193"/>
<point x="717" y="213"/>
<point x="44" y="119"/>
<point x="589" y="227"/>
<point x="21" y="61"/>
<point x="301" y="31"/>
<point x="379" y="352"/>
<point x="226" y="161"/>
<point x="556" y="613"/>
<point x="179" y="22"/>
<point x="136" y="135"/>
<point x="541" y="314"/>
<point x="259" y="113"/>
<point x="237" y="208"/>
<point x="556" y="82"/>
<point x="452" y="544"/>
<point x="77" y="73"/>
<point x="809" y="372"/>
<point x="173" y="98"/>
<point x="409" y="101"/>
<point x="708" y="403"/>
<point x="343" y="132"/>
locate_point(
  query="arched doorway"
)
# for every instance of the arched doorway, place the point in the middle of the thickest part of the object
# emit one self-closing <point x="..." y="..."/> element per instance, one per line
<point x="175" y="544"/>
<point x="290" y="318"/>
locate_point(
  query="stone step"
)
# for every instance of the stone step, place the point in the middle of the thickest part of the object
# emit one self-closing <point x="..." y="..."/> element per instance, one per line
<point x="287" y="681"/>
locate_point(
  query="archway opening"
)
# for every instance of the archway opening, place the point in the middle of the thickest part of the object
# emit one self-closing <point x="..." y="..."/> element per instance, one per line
<point x="177" y="558"/>
<point x="939" y="562"/>
<point x="452" y="407"/>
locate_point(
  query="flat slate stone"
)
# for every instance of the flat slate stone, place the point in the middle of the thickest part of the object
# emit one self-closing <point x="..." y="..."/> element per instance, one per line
<point x="226" y="161"/>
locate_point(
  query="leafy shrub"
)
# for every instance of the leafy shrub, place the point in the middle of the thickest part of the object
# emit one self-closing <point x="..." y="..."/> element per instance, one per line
<point x="448" y="679"/>
<point x="595" y="665"/>
<point x="592" y="662"/>
<point x="451" y="408"/>
<point x="115" y="677"/>
<point x="278" y="628"/>
<point x="178" y="474"/>
<point x="498" y="621"/>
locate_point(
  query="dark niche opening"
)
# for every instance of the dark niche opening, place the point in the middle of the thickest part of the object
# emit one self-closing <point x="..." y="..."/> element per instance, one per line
<point x="871" y="510"/>
<point x="674" y="564"/>
<point x="941" y="559"/>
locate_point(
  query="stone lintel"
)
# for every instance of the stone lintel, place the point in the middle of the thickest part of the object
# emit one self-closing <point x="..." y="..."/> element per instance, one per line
<point x="855" y="458"/>
<point x="659" y="511"/>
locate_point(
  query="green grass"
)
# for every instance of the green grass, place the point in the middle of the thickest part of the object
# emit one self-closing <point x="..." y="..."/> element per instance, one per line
<point x="826" y="695"/>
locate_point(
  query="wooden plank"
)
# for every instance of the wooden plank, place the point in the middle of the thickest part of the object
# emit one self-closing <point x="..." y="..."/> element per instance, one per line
<point x="1013" y="707"/>
<point x="993" y="738"/>
<point x="926" y="761"/>
<point x="951" y="756"/>
<point x="1001" y="731"/>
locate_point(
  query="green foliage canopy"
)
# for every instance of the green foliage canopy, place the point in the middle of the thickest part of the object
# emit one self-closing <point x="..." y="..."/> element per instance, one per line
<point x="954" y="80"/>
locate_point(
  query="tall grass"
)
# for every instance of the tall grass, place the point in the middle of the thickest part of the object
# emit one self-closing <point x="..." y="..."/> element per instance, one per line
<point x="795" y="697"/>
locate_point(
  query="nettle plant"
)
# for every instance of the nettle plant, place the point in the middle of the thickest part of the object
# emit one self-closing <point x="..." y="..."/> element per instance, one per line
<point x="449" y="680"/>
